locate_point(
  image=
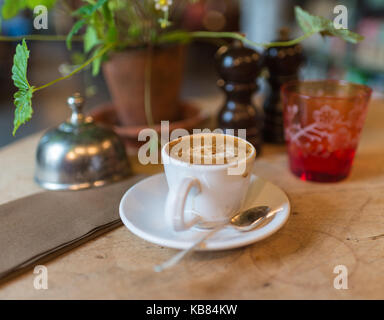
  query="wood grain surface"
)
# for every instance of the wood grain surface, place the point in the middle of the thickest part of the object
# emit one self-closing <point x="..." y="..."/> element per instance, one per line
<point x="330" y="225"/>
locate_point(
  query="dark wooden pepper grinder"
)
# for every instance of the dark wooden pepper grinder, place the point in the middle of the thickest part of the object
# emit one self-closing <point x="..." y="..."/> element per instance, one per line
<point x="283" y="64"/>
<point x="238" y="68"/>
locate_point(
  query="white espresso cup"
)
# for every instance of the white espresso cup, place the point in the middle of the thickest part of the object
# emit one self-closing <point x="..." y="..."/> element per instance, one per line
<point x="205" y="195"/>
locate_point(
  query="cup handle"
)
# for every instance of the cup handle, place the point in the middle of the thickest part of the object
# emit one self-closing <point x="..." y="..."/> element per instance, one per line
<point x="175" y="204"/>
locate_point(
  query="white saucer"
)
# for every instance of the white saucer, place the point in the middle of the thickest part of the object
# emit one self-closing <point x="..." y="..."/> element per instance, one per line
<point x="141" y="210"/>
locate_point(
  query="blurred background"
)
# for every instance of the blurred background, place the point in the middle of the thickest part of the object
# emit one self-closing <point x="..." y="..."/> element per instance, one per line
<point x="260" y="20"/>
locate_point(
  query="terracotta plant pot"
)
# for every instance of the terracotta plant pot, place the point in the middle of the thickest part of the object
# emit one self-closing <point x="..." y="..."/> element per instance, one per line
<point x="125" y="74"/>
<point x="192" y="117"/>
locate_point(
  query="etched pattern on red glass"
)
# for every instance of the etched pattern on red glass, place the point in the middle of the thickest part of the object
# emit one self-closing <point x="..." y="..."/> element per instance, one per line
<point x="322" y="131"/>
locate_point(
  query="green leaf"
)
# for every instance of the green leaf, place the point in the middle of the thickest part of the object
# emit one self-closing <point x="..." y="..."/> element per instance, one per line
<point x="111" y="34"/>
<point x="75" y="29"/>
<point x="97" y="62"/>
<point x="89" y="9"/>
<point x="23" y="112"/>
<point x="108" y="14"/>
<point x="307" y="22"/>
<point x="19" y="68"/>
<point x="344" y="34"/>
<point x="90" y="39"/>
<point x="33" y="3"/>
<point x="312" y="24"/>
<point x="23" y="97"/>
<point x="12" y="7"/>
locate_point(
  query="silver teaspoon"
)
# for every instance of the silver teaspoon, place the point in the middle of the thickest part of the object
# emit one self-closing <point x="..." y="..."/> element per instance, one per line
<point x="243" y="221"/>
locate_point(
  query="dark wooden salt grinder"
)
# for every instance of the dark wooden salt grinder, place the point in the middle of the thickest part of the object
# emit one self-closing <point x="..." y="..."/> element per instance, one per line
<point x="238" y="68"/>
<point x="283" y="64"/>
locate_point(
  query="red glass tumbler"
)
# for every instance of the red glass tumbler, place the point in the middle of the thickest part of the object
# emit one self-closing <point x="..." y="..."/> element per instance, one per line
<point x="322" y="123"/>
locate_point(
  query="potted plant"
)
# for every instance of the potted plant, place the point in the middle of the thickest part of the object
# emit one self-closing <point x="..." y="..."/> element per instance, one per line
<point x="140" y="51"/>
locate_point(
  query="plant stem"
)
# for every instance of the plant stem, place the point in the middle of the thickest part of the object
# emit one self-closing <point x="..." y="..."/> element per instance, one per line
<point x="154" y="141"/>
<point x="147" y="88"/>
<point x="183" y="35"/>
<point x="289" y="42"/>
<point x="39" y="38"/>
<point x="238" y="36"/>
<point x="86" y="63"/>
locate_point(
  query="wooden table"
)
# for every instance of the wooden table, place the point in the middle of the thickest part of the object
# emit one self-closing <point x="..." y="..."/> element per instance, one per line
<point x="296" y="262"/>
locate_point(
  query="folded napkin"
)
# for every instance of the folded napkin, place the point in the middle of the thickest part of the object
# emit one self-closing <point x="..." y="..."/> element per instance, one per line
<point x="40" y="227"/>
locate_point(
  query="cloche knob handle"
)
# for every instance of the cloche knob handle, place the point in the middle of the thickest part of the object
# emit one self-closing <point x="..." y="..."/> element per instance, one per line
<point x="76" y="103"/>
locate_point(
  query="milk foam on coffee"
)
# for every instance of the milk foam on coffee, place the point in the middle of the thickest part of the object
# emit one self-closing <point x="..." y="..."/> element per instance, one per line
<point x="209" y="149"/>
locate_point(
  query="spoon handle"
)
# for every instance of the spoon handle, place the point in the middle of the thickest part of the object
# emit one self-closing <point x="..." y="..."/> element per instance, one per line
<point x="177" y="257"/>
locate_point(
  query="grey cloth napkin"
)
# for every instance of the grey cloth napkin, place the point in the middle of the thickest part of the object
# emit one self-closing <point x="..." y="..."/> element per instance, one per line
<point x="40" y="227"/>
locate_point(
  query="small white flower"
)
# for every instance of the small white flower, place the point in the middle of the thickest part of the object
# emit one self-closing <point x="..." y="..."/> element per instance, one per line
<point x="163" y="4"/>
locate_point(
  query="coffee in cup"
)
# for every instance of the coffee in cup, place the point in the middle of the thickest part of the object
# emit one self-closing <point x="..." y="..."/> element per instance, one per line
<point x="208" y="176"/>
<point x="208" y="149"/>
